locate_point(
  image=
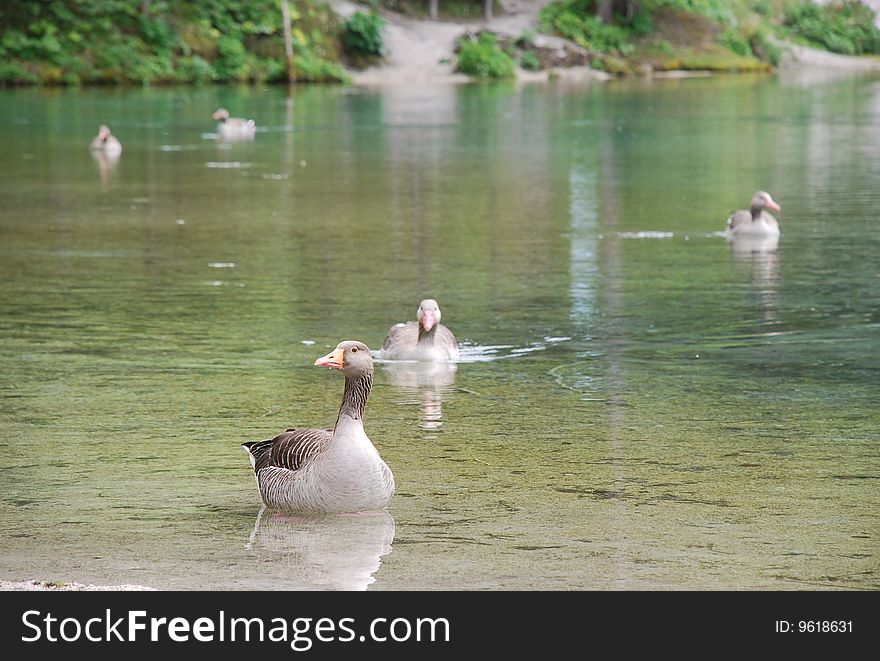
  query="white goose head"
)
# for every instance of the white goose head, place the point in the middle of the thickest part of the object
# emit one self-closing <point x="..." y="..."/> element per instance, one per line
<point x="428" y="315"/>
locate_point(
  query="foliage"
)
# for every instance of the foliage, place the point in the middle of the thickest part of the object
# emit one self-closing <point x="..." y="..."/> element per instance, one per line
<point x="576" y="20"/>
<point x="529" y="61"/>
<point x="720" y="11"/>
<point x="131" y="41"/>
<point x="481" y="56"/>
<point x="735" y="42"/>
<point x="844" y="27"/>
<point x="362" y="34"/>
<point x="764" y="46"/>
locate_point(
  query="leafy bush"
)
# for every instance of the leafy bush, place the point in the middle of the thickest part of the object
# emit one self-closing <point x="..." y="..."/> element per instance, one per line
<point x="576" y="20"/>
<point x="127" y="41"/>
<point x="194" y="69"/>
<point x="845" y="27"/>
<point x="764" y="47"/>
<point x="735" y="42"/>
<point x="483" y="57"/>
<point x="529" y="61"/>
<point x="362" y="34"/>
<point x="230" y="64"/>
<point x="314" y="69"/>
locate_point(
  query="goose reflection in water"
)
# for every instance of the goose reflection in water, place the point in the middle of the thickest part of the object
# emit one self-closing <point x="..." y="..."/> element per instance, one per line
<point x="761" y="255"/>
<point x="426" y="380"/>
<point x="106" y="162"/>
<point x="324" y="552"/>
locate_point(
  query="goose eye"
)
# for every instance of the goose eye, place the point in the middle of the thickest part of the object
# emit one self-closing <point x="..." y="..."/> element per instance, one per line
<point x="354" y="349"/>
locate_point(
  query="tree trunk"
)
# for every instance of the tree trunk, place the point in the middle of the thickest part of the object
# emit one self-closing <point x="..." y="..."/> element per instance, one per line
<point x="432" y="9"/>
<point x="145" y="8"/>
<point x="288" y="40"/>
<point x="605" y="11"/>
<point x="487" y="9"/>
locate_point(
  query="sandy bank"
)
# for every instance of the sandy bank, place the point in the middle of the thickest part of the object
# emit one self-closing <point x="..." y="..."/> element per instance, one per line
<point x="43" y="586"/>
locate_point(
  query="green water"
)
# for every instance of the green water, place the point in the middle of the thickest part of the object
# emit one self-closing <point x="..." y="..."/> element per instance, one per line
<point x="640" y="405"/>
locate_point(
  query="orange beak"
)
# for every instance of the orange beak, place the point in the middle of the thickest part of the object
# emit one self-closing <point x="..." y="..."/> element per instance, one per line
<point x="333" y="360"/>
<point x="428" y="320"/>
<point x="773" y="206"/>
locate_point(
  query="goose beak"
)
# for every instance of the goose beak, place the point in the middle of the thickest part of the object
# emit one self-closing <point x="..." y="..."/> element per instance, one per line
<point x="333" y="360"/>
<point x="773" y="206"/>
<point x="428" y="320"/>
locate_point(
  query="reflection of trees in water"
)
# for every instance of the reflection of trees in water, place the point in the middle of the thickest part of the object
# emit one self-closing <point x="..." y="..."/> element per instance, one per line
<point x="761" y="255"/>
<point x="428" y="380"/>
<point x="333" y="551"/>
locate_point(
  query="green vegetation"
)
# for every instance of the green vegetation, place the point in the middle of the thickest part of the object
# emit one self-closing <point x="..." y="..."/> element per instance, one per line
<point x="844" y="27"/>
<point x="160" y="41"/>
<point x="717" y="34"/>
<point x="482" y="56"/>
<point x="664" y="34"/>
<point x="362" y="34"/>
<point x="446" y="9"/>
<point x="577" y="20"/>
<point x="529" y="61"/>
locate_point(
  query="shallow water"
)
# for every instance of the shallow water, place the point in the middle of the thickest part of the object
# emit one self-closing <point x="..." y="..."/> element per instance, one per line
<point x="639" y="405"/>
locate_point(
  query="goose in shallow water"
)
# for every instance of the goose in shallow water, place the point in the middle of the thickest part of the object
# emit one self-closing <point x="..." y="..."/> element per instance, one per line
<point x="233" y="128"/>
<point x="106" y="142"/>
<point x="423" y="339"/>
<point x="755" y="221"/>
<point x="327" y="470"/>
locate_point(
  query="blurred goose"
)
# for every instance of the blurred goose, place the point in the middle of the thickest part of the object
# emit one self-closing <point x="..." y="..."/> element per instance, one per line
<point x="755" y="221"/>
<point x="423" y="339"/>
<point x="233" y="127"/>
<point x="106" y="142"/>
<point x="327" y="470"/>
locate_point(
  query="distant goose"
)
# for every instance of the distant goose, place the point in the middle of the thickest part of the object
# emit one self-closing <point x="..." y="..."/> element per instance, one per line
<point x="106" y="142"/>
<point x="327" y="470"/>
<point x="230" y="128"/>
<point x="755" y="221"/>
<point x="423" y="339"/>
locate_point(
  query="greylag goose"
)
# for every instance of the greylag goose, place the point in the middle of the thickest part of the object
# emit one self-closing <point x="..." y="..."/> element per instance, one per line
<point x="106" y="142"/>
<point x="327" y="470"/>
<point x="423" y="339"/>
<point x="231" y="128"/>
<point x="755" y="221"/>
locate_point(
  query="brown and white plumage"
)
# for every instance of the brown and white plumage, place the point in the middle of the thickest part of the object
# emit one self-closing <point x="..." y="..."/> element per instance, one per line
<point x="327" y="470"/>
<point x="233" y="128"/>
<point x="106" y="143"/>
<point x="423" y="339"/>
<point x="756" y="220"/>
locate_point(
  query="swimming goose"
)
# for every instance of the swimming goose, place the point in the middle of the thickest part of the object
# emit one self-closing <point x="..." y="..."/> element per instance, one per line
<point x="756" y="220"/>
<point x="106" y="142"/>
<point x="423" y="339"/>
<point x="327" y="470"/>
<point x="230" y="128"/>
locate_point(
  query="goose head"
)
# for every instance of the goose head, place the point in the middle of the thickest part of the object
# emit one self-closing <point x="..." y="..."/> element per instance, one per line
<point x="428" y="314"/>
<point x="351" y="357"/>
<point x="103" y="133"/>
<point x="762" y="200"/>
<point x="221" y="114"/>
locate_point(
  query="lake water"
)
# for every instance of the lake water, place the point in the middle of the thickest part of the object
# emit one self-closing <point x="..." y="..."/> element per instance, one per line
<point x="640" y="403"/>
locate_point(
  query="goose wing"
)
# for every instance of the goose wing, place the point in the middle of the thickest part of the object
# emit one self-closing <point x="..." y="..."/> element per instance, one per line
<point x="739" y="218"/>
<point x="291" y="449"/>
<point x="400" y="336"/>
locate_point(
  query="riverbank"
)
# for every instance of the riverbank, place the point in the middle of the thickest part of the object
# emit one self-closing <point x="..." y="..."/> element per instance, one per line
<point x="232" y="41"/>
<point x="60" y="586"/>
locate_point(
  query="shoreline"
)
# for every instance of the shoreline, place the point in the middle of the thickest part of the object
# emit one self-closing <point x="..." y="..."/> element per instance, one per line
<point x="61" y="586"/>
